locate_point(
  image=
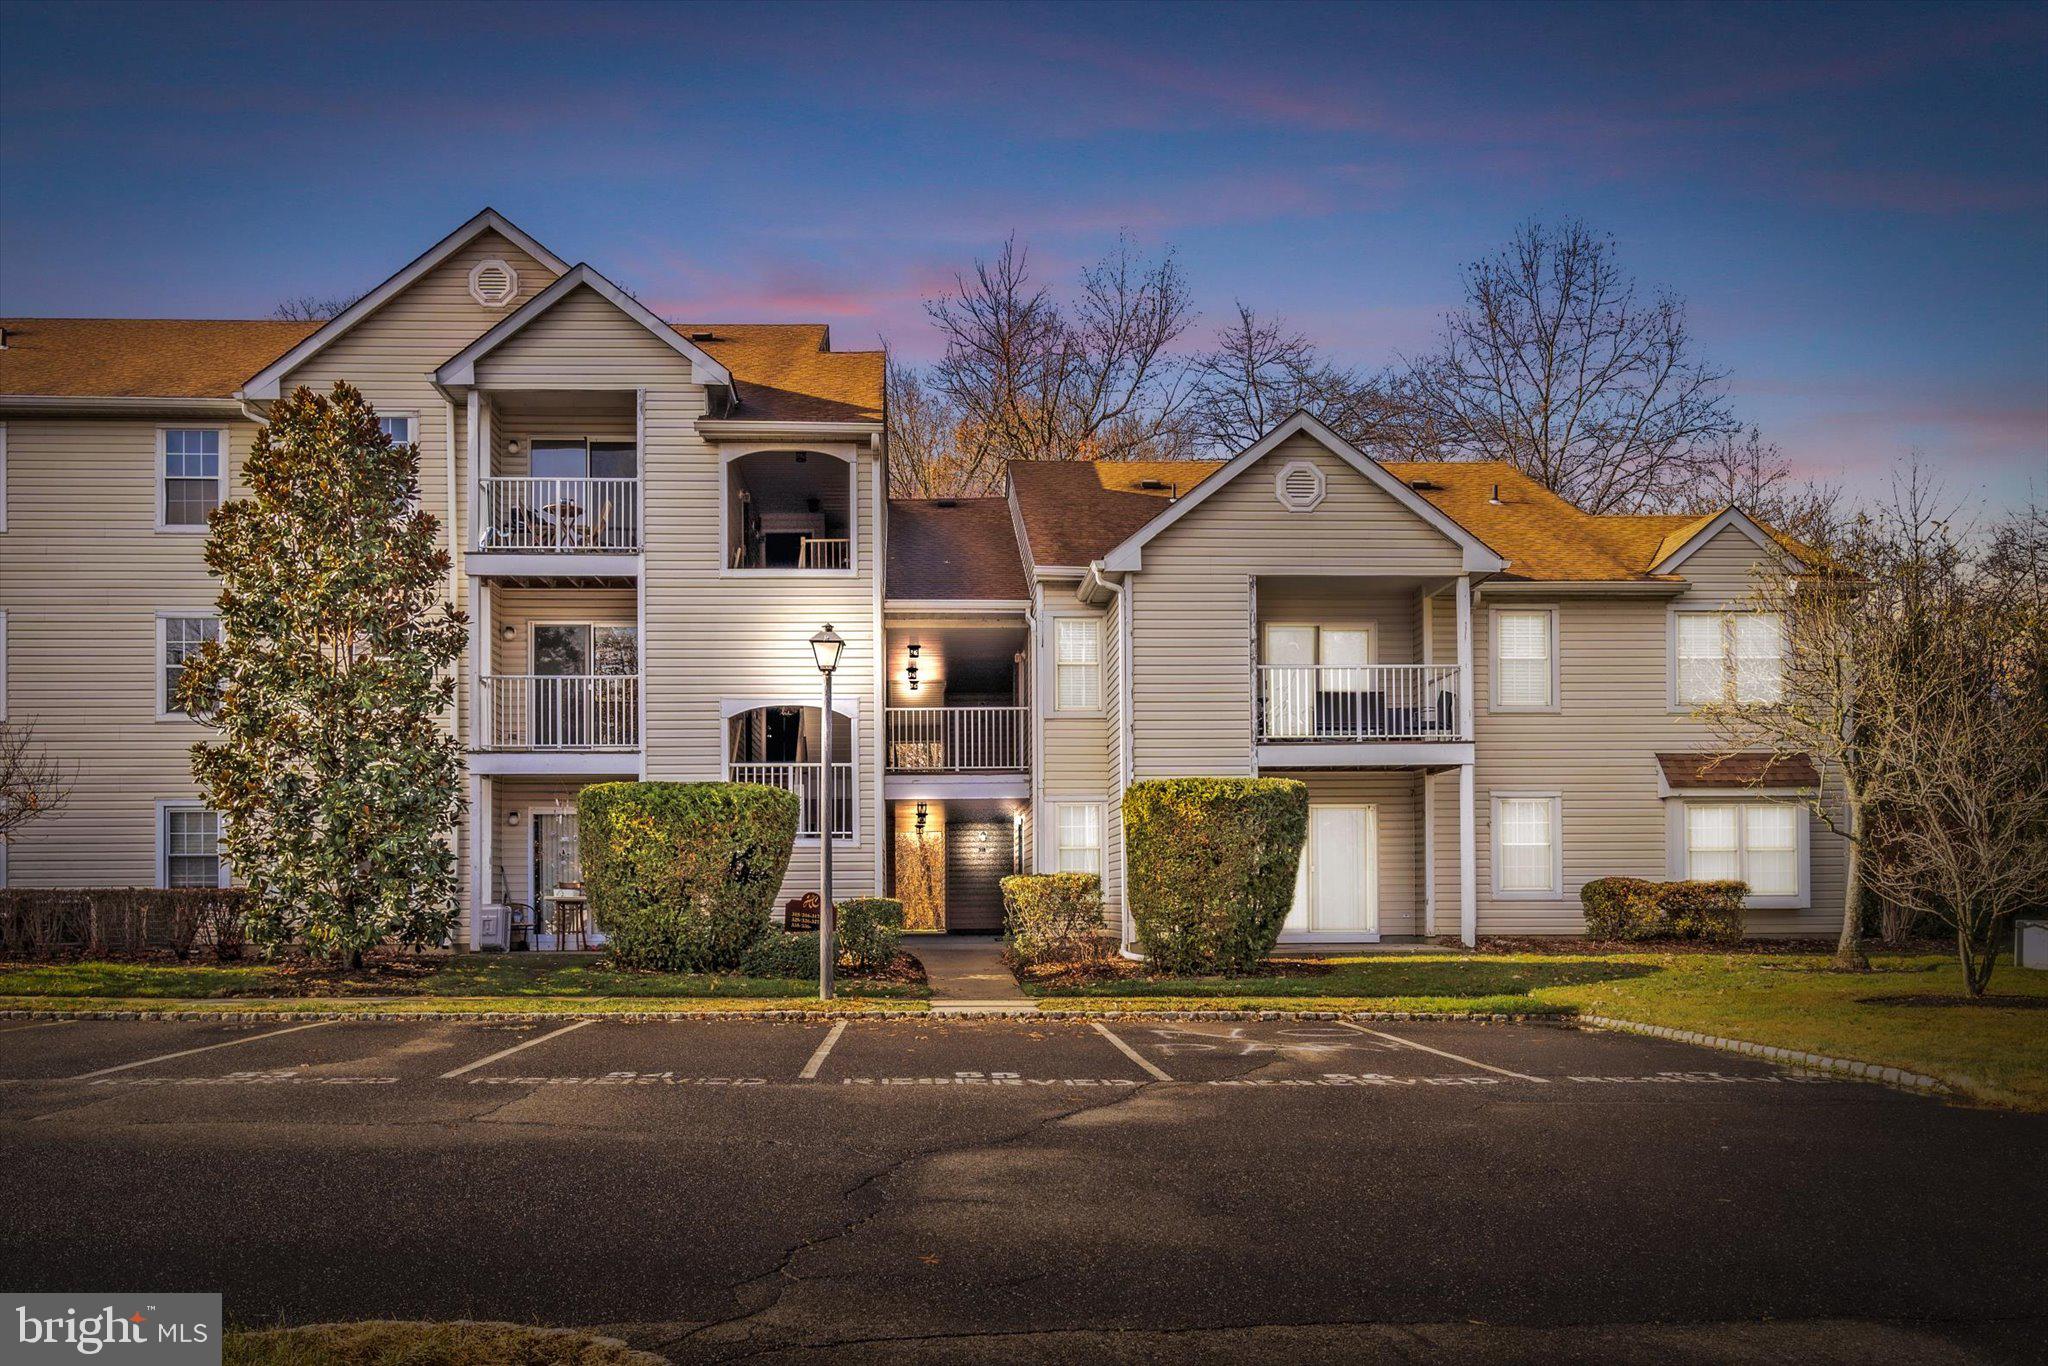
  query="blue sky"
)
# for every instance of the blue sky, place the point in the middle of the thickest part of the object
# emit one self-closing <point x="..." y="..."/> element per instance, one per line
<point x="1853" y="200"/>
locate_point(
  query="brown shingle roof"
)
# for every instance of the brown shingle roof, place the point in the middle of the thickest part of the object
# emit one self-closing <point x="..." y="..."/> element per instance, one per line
<point x="1078" y="511"/>
<point x="139" y="357"/>
<point x="1075" y="511"/>
<point x="784" y="370"/>
<point x="788" y="371"/>
<point x="1756" y="769"/>
<point x="953" y="548"/>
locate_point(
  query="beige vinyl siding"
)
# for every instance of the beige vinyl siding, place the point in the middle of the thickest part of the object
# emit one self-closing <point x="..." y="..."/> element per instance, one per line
<point x="1598" y="752"/>
<point x="520" y="608"/>
<point x="1192" y="602"/>
<point x="1397" y="793"/>
<point x="582" y="342"/>
<point x="83" y="575"/>
<point x="1390" y="612"/>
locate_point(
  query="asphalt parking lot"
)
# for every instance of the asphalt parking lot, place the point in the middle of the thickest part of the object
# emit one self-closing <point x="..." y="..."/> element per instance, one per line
<point x="995" y="1187"/>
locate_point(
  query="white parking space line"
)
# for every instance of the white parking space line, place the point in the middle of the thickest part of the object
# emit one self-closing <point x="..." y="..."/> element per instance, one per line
<point x="508" y="1052"/>
<point x="206" y="1048"/>
<point x="1425" y="1048"/>
<point x="810" y="1072"/>
<point x="1151" y="1069"/>
<point x="39" y="1024"/>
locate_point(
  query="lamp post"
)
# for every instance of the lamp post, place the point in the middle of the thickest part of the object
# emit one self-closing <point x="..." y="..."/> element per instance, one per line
<point x="825" y="648"/>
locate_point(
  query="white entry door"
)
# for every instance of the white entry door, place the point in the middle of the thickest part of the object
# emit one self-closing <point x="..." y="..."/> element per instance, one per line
<point x="1336" y="889"/>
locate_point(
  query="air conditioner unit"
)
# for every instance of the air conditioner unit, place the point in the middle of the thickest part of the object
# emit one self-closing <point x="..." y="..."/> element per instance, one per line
<point x="2030" y="944"/>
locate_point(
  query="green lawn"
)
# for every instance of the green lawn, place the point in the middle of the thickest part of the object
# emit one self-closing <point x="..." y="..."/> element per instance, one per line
<point x="542" y="982"/>
<point x="1992" y="1052"/>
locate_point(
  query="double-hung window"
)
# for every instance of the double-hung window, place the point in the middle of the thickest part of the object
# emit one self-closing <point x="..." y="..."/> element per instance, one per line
<point x="1729" y="656"/>
<point x="192" y="471"/>
<point x="191" y="847"/>
<point x="399" y="427"/>
<point x="1524" y="659"/>
<point x="1526" y="852"/>
<point x="178" y="637"/>
<point x="1079" y="829"/>
<point x="1077" y="663"/>
<point x="1753" y="842"/>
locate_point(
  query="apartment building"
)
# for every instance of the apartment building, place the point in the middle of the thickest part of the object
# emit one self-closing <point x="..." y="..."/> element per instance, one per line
<point x="1485" y="688"/>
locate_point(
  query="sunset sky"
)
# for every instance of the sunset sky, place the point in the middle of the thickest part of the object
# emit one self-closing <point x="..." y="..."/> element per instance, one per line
<point x="1854" y="201"/>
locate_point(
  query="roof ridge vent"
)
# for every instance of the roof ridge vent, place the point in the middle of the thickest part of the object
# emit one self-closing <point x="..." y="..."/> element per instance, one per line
<point x="703" y="335"/>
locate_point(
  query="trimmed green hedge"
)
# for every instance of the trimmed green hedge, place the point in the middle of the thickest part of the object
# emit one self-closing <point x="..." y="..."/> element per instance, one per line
<point x="1053" y="917"/>
<point x="783" y="955"/>
<point x="1212" y="864"/>
<point x="681" y="876"/>
<point x="1635" y="908"/>
<point x="869" y="930"/>
<point x="103" y="922"/>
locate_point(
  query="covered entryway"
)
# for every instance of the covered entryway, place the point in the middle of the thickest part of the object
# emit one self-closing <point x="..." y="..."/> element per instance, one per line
<point x="980" y="853"/>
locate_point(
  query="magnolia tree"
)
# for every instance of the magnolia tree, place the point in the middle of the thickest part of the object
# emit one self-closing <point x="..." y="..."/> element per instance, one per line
<point x="335" y="775"/>
<point x="1915" y="680"/>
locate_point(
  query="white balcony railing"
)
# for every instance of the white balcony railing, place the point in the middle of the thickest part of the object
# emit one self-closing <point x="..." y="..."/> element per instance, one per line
<point x="1359" y="702"/>
<point x="958" y="739"/>
<point x="560" y="711"/>
<point x="553" y="515"/>
<point x="823" y="552"/>
<point x="805" y="781"/>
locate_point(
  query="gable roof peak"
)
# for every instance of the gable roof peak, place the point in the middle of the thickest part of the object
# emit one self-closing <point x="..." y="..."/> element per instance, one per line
<point x="461" y="369"/>
<point x="267" y="383"/>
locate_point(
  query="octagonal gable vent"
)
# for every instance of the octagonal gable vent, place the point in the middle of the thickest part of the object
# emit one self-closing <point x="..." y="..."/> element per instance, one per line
<point x="493" y="283"/>
<point x="1299" y="486"/>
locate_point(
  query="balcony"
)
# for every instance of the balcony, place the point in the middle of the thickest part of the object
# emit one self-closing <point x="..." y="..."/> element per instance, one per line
<point x="807" y="782"/>
<point x="959" y="739"/>
<point x="1356" y="703"/>
<point x="559" y="712"/>
<point x="529" y="515"/>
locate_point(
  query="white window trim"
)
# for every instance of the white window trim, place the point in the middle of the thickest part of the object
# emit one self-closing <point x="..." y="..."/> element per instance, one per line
<point x="3" y="673"/>
<point x="162" y="480"/>
<point x="1101" y="808"/>
<point x="164" y="711"/>
<point x="409" y="415"/>
<point x="3" y="488"/>
<point x="1050" y="684"/>
<point x="1802" y="857"/>
<point x="835" y="450"/>
<point x="1493" y="702"/>
<point x="163" y="848"/>
<point x="1725" y="610"/>
<point x="1555" y="891"/>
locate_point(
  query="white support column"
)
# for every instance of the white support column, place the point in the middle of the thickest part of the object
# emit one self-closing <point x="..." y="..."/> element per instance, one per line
<point x="481" y="934"/>
<point x="1465" y="679"/>
<point x="1468" y="860"/>
<point x="476" y="470"/>
<point x="479" y="658"/>
<point x="1429" y="853"/>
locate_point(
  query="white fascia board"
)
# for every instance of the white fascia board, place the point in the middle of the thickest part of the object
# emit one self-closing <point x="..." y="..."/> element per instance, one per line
<point x="1729" y="516"/>
<point x="1579" y="588"/>
<point x="964" y="606"/>
<point x="765" y="429"/>
<point x="115" y="403"/>
<point x="462" y="369"/>
<point x="266" y="384"/>
<point x="1479" y="558"/>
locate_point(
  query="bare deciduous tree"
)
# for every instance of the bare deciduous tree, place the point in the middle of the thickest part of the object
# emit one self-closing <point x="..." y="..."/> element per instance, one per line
<point x="1962" y="836"/>
<point x="1032" y="378"/>
<point x="1259" y="372"/>
<point x="1743" y="469"/>
<point x="32" y="784"/>
<point x="1556" y="364"/>
<point x="925" y="439"/>
<point x="312" y="308"/>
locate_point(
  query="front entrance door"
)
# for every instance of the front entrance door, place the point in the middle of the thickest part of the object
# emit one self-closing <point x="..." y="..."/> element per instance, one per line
<point x="1336" y="889"/>
<point x="979" y="855"/>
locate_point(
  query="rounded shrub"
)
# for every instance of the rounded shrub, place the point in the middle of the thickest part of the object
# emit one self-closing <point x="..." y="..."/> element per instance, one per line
<point x="681" y="876"/>
<point x="1052" y="917"/>
<point x="783" y="955"/>
<point x="1211" y="868"/>
<point x="1634" y="908"/>
<point x="869" y="930"/>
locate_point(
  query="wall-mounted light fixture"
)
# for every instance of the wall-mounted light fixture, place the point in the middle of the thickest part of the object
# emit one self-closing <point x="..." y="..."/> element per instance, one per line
<point x="506" y="631"/>
<point x="511" y="818"/>
<point x="922" y="813"/>
<point x="910" y="670"/>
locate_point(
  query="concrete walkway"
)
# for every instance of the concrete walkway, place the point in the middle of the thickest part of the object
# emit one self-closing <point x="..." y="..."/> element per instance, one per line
<point x="968" y="975"/>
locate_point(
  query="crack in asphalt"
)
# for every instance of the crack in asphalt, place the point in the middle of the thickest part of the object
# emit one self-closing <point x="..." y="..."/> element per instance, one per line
<point x="782" y="1275"/>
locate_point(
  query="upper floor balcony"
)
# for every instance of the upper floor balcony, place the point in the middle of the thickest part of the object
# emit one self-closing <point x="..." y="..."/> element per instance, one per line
<point x="979" y="739"/>
<point x="558" y="483"/>
<point x="959" y="718"/>
<point x="1355" y="702"/>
